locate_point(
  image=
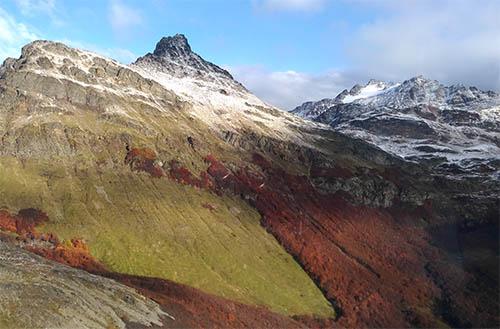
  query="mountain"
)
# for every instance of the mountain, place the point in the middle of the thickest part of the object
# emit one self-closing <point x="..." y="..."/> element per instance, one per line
<point x="216" y="98"/>
<point x="173" y="56"/>
<point x="170" y="177"/>
<point x="455" y="128"/>
<point x="311" y="110"/>
<point x="77" y="130"/>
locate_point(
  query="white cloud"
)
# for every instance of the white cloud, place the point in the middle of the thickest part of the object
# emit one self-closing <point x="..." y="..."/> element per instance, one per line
<point x="288" y="89"/>
<point x="452" y="41"/>
<point x="13" y="35"/>
<point x="122" y="55"/>
<point x="290" y="5"/>
<point x="123" y="17"/>
<point x="32" y="7"/>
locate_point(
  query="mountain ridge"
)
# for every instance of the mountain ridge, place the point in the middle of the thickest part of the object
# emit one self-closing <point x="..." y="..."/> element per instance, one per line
<point x="166" y="176"/>
<point x="419" y="120"/>
<point x="452" y="95"/>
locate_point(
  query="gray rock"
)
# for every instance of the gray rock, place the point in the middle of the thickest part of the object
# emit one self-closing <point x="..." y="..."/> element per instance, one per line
<point x="37" y="293"/>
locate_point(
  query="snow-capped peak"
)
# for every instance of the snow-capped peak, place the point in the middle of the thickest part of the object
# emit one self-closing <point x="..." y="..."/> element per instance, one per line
<point x="418" y="119"/>
<point x="216" y="97"/>
<point x="173" y="56"/>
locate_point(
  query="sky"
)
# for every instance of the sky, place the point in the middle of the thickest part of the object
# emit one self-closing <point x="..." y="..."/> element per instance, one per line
<point x="285" y="51"/>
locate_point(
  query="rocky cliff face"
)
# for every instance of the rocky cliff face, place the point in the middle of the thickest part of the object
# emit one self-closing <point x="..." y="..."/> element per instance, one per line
<point x="169" y="169"/>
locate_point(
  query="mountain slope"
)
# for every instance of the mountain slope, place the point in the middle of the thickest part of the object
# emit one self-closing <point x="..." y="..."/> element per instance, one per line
<point x="454" y="128"/>
<point x="66" y="130"/>
<point x="161" y="173"/>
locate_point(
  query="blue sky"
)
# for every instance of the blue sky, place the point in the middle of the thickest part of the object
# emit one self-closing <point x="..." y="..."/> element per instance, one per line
<point x="286" y="51"/>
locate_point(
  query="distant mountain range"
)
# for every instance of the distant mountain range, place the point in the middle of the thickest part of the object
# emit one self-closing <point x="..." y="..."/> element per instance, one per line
<point x="454" y="128"/>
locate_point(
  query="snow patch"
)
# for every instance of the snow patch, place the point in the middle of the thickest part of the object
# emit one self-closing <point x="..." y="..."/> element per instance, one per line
<point x="369" y="90"/>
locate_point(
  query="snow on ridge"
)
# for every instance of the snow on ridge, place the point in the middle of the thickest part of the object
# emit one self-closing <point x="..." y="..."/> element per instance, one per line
<point x="368" y="91"/>
<point x="491" y="114"/>
<point x="227" y="107"/>
<point x="58" y="52"/>
<point x="221" y="103"/>
<point x="419" y="120"/>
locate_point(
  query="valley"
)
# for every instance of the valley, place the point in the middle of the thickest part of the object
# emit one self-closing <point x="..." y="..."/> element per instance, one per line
<point x="170" y="177"/>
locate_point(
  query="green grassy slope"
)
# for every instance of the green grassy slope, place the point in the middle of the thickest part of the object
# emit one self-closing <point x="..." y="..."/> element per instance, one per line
<point x="155" y="227"/>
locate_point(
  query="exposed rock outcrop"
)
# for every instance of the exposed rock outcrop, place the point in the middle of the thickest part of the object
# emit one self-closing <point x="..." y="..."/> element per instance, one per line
<point x="36" y="293"/>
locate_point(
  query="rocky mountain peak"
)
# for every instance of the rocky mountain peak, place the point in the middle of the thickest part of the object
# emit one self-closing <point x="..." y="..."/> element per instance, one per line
<point x="174" y="57"/>
<point x="420" y="81"/>
<point x="419" y="119"/>
<point x="174" y="46"/>
<point x="375" y="82"/>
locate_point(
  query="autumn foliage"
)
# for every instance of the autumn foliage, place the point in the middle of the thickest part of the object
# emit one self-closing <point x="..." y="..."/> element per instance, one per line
<point x="371" y="263"/>
<point x="74" y="253"/>
<point x="144" y="159"/>
<point x="24" y="222"/>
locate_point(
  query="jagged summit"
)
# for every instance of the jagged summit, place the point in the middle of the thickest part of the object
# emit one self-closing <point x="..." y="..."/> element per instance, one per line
<point x="174" y="46"/>
<point x="415" y="91"/>
<point x="173" y="55"/>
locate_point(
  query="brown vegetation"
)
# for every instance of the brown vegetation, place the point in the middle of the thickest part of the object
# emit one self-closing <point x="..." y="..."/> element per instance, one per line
<point x="144" y="159"/>
<point x="374" y="265"/>
<point x="191" y="307"/>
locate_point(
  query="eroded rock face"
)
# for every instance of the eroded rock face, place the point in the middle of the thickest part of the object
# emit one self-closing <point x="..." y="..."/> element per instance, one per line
<point x="372" y="191"/>
<point x="36" y="293"/>
<point x="53" y="73"/>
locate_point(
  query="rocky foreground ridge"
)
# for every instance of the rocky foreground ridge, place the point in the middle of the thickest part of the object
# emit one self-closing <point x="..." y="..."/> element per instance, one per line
<point x="170" y="177"/>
